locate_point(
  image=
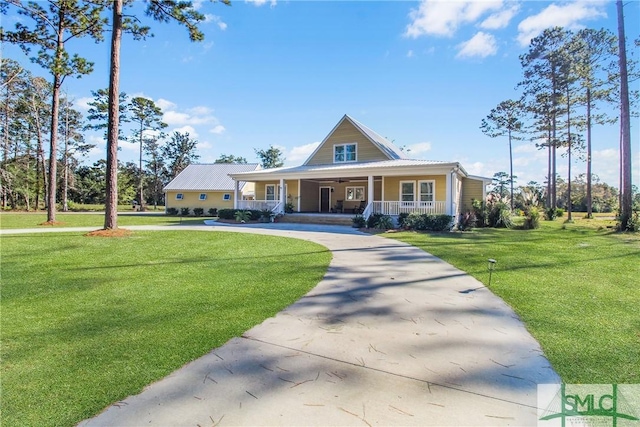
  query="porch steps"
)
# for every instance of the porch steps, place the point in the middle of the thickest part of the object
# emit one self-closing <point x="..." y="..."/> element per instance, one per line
<point x="328" y="219"/>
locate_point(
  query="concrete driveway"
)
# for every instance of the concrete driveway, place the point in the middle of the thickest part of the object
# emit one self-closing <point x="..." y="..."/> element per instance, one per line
<point x="386" y="338"/>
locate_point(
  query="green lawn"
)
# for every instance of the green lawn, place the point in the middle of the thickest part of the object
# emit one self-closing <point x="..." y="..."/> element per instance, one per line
<point x="577" y="288"/>
<point x="15" y="220"/>
<point x="87" y="321"/>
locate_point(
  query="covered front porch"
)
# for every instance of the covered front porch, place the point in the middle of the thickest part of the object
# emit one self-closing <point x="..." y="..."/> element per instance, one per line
<point x="365" y="195"/>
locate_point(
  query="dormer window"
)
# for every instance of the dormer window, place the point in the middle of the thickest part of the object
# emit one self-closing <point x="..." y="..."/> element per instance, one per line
<point x="344" y="153"/>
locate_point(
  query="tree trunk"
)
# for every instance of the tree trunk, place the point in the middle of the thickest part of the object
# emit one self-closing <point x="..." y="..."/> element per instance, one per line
<point x="141" y="201"/>
<point x="511" y="168"/>
<point x="625" y="125"/>
<point x="111" y="202"/>
<point x="569" y="143"/>
<point x="53" y="148"/>
<point x="589" y="196"/>
<point x="5" y="142"/>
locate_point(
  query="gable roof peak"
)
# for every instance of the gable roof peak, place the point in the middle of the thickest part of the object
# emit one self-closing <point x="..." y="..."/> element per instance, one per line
<point x="389" y="149"/>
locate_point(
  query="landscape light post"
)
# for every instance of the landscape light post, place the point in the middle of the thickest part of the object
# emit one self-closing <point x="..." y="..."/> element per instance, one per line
<point x="491" y="267"/>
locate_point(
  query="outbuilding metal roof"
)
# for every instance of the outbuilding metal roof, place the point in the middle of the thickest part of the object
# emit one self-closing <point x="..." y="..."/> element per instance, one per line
<point x="209" y="177"/>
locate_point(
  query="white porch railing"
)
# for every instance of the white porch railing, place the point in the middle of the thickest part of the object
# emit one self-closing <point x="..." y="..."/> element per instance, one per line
<point x="277" y="208"/>
<point x="258" y="205"/>
<point x="396" y="208"/>
<point x="368" y="210"/>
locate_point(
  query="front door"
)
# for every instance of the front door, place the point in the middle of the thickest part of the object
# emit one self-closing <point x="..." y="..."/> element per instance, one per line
<point x="325" y="199"/>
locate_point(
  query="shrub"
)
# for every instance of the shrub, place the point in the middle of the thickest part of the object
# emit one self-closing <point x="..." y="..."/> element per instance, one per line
<point x="499" y="216"/>
<point x="402" y="220"/>
<point x="254" y="214"/>
<point x="426" y="222"/>
<point x="373" y="219"/>
<point x="288" y="208"/>
<point x="265" y="215"/>
<point x="184" y="211"/>
<point x="384" y="223"/>
<point x="550" y="214"/>
<point x="480" y="211"/>
<point x="438" y="222"/>
<point x="531" y="219"/>
<point x="172" y="211"/>
<point x="198" y="211"/>
<point x="242" y="216"/>
<point x="213" y="212"/>
<point x="226" y="213"/>
<point x="467" y="221"/>
<point x="559" y="212"/>
<point x="414" y="221"/>
<point x="358" y="221"/>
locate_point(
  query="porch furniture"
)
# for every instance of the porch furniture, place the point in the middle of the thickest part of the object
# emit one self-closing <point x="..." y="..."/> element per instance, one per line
<point x="339" y="206"/>
<point x="360" y="209"/>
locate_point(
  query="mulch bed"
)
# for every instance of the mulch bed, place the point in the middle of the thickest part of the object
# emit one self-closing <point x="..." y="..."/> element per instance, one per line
<point x="117" y="232"/>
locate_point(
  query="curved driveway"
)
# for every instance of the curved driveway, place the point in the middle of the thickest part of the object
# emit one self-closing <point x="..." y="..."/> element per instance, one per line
<point x="386" y="338"/>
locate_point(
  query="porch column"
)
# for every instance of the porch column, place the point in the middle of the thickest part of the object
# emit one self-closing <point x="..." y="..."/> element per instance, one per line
<point x="236" y="191"/>
<point x="448" y="200"/>
<point x="370" y="189"/>
<point x="299" y="185"/>
<point x="283" y="196"/>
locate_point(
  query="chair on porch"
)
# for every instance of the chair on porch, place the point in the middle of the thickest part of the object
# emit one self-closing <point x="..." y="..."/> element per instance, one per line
<point x="339" y="208"/>
<point x="360" y="209"/>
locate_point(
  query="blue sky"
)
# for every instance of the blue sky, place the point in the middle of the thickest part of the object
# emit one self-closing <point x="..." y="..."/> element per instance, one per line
<point x="282" y="73"/>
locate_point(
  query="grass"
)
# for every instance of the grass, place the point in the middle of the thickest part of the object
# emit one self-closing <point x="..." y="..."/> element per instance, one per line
<point x="575" y="285"/>
<point x="13" y="220"/>
<point x="87" y="321"/>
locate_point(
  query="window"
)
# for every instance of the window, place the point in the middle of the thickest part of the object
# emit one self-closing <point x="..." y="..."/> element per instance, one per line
<point x="427" y="193"/>
<point x="407" y="191"/>
<point x="270" y="192"/>
<point x="203" y="196"/>
<point x="179" y="196"/>
<point x="226" y="196"/>
<point x="344" y="153"/>
<point x="354" y="193"/>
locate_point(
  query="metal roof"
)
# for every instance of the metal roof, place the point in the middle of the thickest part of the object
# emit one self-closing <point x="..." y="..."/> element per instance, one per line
<point x="386" y="146"/>
<point x="347" y="169"/>
<point x="209" y="177"/>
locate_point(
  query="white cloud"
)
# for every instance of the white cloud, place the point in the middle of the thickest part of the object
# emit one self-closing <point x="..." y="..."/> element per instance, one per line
<point x="567" y="15"/>
<point x="442" y="18"/>
<point x="500" y="19"/>
<point x="410" y="54"/>
<point x="204" y="145"/>
<point x="477" y="168"/>
<point x="186" y="129"/>
<point x="302" y="152"/>
<point x="83" y="103"/>
<point x="219" y="129"/>
<point x="200" y="110"/>
<point x="414" y="150"/>
<point x="258" y="3"/>
<point x="165" y="105"/>
<point x="481" y="45"/>
<point x="192" y="116"/>
<point x="216" y="20"/>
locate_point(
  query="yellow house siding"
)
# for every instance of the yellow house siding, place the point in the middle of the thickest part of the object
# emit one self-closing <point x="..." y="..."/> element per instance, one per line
<point x="392" y="186"/>
<point x="347" y="133"/>
<point x="292" y="192"/>
<point x="191" y="199"/>
<point x="261" y="192"/>
<point x="471" y="189"/>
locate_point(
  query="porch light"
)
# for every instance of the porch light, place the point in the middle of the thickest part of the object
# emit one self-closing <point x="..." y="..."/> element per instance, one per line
<point x="491" y="267"/>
